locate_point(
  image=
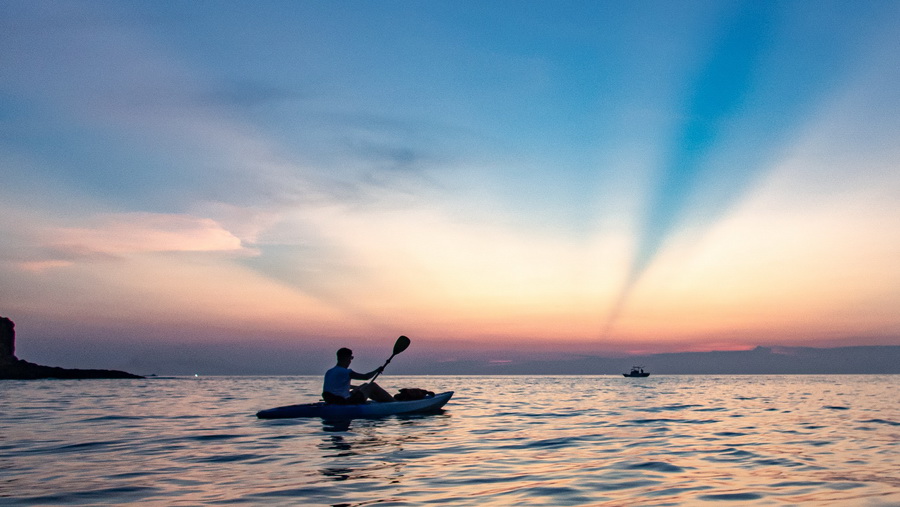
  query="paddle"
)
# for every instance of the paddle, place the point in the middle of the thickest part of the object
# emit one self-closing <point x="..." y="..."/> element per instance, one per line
<point x="400" y="345"/>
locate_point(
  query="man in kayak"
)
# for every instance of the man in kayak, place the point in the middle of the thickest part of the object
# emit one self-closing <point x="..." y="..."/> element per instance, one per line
<point x="337" y="388"/>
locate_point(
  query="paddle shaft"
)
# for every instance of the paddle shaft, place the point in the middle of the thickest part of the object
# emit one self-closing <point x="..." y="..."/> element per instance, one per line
<point x="382" y="368"/>
<point x="399" y="346"/>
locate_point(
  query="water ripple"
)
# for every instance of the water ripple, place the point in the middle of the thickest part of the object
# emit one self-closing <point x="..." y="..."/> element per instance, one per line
<point x="657" y="466"/>
<point x="881" y="421"/>
<point x="732" y="496"/>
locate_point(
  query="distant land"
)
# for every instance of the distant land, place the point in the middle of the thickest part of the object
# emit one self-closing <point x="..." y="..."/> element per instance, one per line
<point x="760" y="360"/>
<point x="426" y="359"/>
<point x="13" y="368"/>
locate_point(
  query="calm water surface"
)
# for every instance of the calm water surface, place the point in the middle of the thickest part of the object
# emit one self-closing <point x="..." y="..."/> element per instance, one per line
<point x="663" y="440"/>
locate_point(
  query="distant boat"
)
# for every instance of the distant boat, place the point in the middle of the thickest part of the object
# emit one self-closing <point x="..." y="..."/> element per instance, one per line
<point x="637" y="371"/>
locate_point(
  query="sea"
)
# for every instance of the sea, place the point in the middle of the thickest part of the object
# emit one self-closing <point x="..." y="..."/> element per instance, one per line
<point x="502" y="440"/>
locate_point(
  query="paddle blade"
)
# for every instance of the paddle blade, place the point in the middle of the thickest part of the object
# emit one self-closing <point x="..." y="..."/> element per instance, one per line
<point x="401" y="345"/>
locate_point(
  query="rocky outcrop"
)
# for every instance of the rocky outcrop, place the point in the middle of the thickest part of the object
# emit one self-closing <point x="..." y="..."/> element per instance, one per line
<point x="7" y="342"/>
<point x="13" y="368"/>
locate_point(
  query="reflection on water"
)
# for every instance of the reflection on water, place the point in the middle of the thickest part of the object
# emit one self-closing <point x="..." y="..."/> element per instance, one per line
<point x="336" y="425"/>
<point x="753" y="440"/>
<point x="346" y="455"/>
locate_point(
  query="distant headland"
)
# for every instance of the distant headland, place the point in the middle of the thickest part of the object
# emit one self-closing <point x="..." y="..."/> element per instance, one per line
<point x="13" y="368"/>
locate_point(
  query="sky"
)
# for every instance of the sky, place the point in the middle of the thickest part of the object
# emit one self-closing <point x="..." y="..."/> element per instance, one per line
<point x="247" y="186"/>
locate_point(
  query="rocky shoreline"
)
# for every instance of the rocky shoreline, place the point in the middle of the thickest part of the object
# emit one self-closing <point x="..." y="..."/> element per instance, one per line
<point x="13" y="368"/>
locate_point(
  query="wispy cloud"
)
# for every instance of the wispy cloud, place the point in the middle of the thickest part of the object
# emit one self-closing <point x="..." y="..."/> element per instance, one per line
<point x="148" y="232"/>
<point x="114" y="236"/>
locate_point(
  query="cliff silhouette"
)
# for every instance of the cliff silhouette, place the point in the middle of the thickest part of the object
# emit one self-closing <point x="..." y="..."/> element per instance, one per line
<point x="13" y="368"/>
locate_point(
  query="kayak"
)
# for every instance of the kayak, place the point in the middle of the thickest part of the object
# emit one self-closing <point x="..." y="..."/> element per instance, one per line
<point x="369" y="409"/>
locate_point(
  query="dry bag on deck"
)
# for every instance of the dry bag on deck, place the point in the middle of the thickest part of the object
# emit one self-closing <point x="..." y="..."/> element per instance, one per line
<point x="412" y="393"/>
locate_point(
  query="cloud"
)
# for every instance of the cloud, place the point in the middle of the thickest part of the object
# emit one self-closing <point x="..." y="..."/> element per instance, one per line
<point x="41" y="266"/>
<point x="150" y="232"/>
<point x="114" y="236"/>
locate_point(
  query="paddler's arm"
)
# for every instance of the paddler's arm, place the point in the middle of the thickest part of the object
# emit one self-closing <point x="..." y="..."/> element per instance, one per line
<point x="365" y="376"/>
